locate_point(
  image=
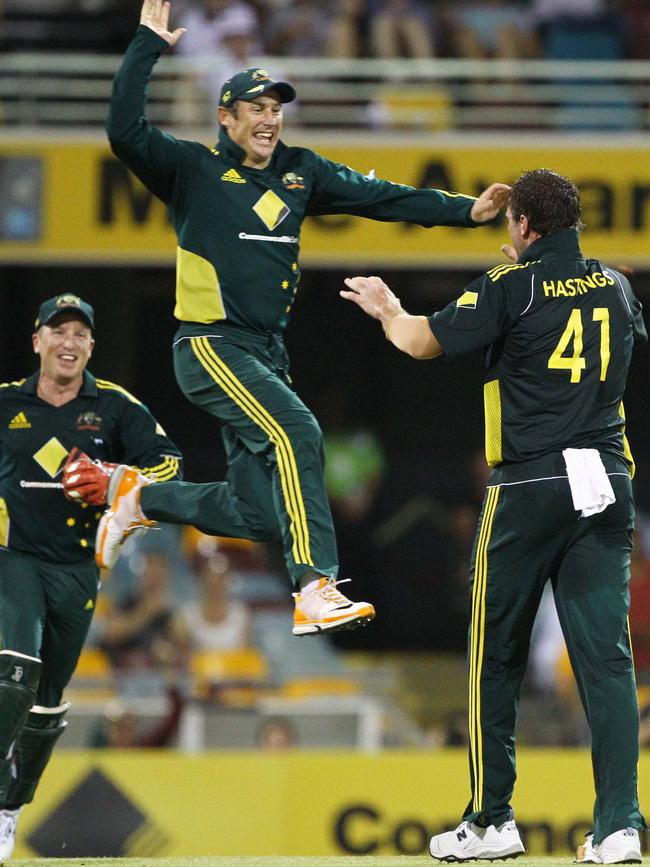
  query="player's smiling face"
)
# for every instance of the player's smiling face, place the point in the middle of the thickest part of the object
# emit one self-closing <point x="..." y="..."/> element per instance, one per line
<point x="64" y="345"/>
<point x="255" y="125"/>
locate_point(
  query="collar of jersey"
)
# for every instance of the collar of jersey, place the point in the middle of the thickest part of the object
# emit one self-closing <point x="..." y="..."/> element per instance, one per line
<point x="565" y="244"/>
<point x="88" y="387"/>
<point x="230" y="150"/>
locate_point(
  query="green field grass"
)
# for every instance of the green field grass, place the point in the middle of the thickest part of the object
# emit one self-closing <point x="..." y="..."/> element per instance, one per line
<point x="275" y="861"/>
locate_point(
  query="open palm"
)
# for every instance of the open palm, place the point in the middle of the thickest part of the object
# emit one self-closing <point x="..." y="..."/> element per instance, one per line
<point x="155" y="16"/>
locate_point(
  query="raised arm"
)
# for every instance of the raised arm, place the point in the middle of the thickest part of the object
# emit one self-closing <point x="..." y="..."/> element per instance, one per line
<point x="157" y="158"/>
<point x="342" y="190"/>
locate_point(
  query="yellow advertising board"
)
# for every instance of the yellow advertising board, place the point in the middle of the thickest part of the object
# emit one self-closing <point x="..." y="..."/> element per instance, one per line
<point x="71" y="200"/>
<point x="297" y="803"/>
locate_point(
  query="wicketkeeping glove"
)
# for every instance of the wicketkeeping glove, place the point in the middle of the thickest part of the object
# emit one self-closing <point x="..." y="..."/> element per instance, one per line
<point x="85" y="480"/>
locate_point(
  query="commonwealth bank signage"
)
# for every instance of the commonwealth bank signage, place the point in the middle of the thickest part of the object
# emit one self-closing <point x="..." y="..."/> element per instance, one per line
<point x="162" y="803"/>
<point x="71" y="200"/>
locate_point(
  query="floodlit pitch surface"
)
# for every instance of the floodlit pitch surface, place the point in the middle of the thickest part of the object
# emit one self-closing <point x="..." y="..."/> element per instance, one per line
<point x="259" y="861"/>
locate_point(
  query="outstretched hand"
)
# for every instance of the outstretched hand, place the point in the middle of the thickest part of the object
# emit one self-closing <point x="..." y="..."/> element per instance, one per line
<point x="489" y="203"/>
<point x="374" y="297"/>
<point x="155" y="16"/>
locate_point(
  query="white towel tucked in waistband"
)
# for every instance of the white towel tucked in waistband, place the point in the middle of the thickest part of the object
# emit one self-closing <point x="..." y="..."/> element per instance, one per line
<point x="590" y="487"/>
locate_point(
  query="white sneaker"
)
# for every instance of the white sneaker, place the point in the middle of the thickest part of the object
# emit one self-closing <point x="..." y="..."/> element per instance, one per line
<point x="469" y="842"/>
<point x="8" y="822"/>
<point x="586" y="853"/>
<point x="123" y="517"/>
<point x="621" y="847"/>
<point x="326" y="609"/>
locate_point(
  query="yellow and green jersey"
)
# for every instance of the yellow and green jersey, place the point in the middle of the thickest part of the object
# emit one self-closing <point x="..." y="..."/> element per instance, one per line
<point x="238" y="228"/>
<point x="558" y="332"/>
<point x="105" y="422"/>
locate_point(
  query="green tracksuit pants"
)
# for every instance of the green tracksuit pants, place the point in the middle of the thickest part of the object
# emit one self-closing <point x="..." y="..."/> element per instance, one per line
<point x="275" y="481"/>
<point x="528" y="533"/>
<point x="45" y="613"/>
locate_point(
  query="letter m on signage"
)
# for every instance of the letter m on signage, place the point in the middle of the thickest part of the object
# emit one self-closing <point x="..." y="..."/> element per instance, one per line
<point x="118" y="187"/>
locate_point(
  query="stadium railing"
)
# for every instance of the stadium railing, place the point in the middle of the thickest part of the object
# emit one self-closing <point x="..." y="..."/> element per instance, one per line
<point x="66" y="89"/>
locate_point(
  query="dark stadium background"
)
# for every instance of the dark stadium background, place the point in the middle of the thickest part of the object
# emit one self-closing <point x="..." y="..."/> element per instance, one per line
<point x="427" y="415"/>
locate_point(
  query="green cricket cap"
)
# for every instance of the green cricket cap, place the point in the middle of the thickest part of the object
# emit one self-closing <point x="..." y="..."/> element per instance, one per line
<point x="251" y="83"/>
<point x="64" y="304"/>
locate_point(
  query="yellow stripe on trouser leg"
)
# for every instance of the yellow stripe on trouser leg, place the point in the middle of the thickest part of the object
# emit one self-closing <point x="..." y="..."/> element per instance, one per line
<point x="289" y="479"/>
<point x="286" y="460"/>
<point x="477" y="640"/>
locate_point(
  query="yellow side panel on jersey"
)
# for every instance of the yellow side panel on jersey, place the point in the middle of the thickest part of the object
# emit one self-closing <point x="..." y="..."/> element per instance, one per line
<point x="626" y="446"/>
<point x="4" y="523"/>
<point x="492" y="408"/>
<point x="198" y="293"/>
<point x="271" y="209"/>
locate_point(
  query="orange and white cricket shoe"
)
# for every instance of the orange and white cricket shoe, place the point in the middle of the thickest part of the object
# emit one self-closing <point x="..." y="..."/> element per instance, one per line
<point x="326" y="609"/>
<point x="123" y="517"/>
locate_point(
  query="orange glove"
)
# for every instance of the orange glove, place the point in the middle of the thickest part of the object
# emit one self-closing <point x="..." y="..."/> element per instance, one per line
<point x="85" y="480"/>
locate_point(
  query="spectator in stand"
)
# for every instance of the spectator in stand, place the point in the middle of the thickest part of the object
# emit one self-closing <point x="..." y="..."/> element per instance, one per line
<point x="587" y="30"/>
<point x="119" y="726"/>
<point x="215" y="621"/>
<point x="298" y="28"/>
<point x="225" y="31"/>
<point x="580" y="30"/>
<point x="636" y="15"/>
<point x="143" y="634"/>
<point x="276" y="733"/>
<point x="345" y="29"/>
<point x="490" y="28"/>
<point x="401" y="28"/>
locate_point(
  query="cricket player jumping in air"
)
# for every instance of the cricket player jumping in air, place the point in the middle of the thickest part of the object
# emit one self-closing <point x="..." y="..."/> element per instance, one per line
<point x="238" y="209"/>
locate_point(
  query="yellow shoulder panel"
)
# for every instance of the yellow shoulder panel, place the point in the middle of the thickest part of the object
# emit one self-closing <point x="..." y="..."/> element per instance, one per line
<point x="111" y="386"/>
<point x="495" y="273"/>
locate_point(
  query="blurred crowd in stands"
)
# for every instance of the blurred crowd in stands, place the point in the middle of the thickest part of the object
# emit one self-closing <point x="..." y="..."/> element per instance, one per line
<point x="595" y="29"/>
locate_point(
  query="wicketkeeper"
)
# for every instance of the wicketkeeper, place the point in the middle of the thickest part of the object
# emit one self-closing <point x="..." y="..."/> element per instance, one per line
<point x="61" y="432"/>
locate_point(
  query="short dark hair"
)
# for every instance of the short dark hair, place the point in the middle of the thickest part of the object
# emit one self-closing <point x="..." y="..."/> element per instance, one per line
<point x="550" y="201"/>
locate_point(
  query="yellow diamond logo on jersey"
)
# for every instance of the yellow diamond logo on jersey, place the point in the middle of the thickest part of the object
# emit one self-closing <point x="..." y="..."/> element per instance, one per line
<point x="19" y="422"/>
<point x="271" y="209"/>
<point x="51" y="457"/>
<point x="468" y="299"/>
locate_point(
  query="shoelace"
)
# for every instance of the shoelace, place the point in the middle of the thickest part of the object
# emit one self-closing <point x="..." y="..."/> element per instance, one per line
<point x="329" y="591"/>
<point x="331" y="594"/>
